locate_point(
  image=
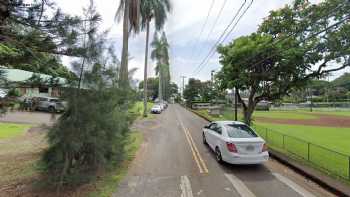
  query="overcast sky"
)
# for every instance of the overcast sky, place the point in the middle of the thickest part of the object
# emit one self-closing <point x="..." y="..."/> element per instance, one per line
<point x="187" y="47"/>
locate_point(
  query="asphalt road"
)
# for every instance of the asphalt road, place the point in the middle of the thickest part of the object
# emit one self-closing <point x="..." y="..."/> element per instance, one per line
<point x="173" y="162"/>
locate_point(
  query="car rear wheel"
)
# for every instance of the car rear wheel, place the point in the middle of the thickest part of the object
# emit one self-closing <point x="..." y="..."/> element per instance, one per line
<point x="52" y="109"/>
<point x="218" y="155"/>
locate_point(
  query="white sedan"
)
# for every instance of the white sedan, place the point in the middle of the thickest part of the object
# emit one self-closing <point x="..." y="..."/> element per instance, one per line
<point x="156" y="109"/>
<point x="235" y="142"/>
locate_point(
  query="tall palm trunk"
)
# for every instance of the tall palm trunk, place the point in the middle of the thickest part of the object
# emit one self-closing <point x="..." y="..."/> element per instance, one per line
<point x="123" y="75"/>
<point x="160" y="88"/>
<point x="145" y="72"/>
<point x="4" y="12"/>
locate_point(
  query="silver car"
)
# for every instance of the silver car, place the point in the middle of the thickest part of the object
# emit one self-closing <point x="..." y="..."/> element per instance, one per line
<point x="49" y="104"/>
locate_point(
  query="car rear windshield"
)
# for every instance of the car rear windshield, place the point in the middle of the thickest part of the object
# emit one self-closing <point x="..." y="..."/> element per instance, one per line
<point x="240" y="131"/>
<point x="55" y="100"/>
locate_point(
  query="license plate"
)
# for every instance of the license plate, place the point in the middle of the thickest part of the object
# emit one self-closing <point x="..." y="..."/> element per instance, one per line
<point x="250" y="148"/>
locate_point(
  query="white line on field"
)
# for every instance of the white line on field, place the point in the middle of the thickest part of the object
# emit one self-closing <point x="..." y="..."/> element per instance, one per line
<point x="293" y="185"/>
<point x="185" y="186"/>
<point x="240" y="187"/>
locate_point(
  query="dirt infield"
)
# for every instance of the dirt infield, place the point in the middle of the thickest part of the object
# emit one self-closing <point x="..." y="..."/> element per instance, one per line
<point x="321" y="120"/>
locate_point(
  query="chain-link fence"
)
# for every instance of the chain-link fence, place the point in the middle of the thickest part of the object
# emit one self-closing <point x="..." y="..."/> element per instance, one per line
<point x="325" y="159"/>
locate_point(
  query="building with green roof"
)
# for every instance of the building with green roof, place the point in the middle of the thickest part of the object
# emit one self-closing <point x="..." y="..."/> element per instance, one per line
<point x="32" y="84"/>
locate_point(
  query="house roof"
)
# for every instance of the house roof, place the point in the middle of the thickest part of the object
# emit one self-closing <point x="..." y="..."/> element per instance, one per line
<point x="16" y="75"/>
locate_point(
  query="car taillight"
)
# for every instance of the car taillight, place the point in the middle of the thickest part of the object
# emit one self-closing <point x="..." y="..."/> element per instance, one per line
<point x="231" y="147"/>
<point x="264" y="148"/>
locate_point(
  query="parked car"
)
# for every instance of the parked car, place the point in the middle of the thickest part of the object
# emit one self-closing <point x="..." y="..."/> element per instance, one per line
<point x="156" y="109"/>
<point x="235" y="142"/>
<point x="49" y="104"/>
<point x="162" y="106"/>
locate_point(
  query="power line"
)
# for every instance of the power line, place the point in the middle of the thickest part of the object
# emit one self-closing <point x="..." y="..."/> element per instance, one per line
<point x="294" y="34"/>
<point x="222" y="34"/>
<point x="219" y="41"/>
<point x="336" y="8"/>
<point x="203" y="27"/>
<point x="215" y="22"/>
<point x="307" y="38"/>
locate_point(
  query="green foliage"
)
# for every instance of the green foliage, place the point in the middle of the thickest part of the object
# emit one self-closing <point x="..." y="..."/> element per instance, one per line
<point x="13" y="92"/>
<point x="33" y="35"/>
<point x="160" y="53"/>
<point x="191" y="92"/>
<point x="291" y="47"/>
<point x="157" y="9"/>
<point x="173" y="89"/>
<point x="152" y="86"/>
<point x="93" y="130"/>
<point x="342" y="81"/>
<point x="107" y="185"/>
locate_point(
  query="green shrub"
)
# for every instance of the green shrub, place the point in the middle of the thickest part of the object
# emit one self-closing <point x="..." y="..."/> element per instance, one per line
<point x="91" y="133"/>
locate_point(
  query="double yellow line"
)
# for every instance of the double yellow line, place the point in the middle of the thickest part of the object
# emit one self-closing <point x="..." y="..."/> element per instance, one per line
<point x="196" y="155"/>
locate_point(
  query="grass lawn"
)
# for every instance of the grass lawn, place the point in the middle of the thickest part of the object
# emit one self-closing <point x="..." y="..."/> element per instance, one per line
<point x="107" y="185"/>
<point x="18" y="158"/>
<point x="325" y="148"/>
<point x="337" y="139"/>
<point x="138" y="109"/>
<point x="8" y="130"/>
<point x="228" y="114"/>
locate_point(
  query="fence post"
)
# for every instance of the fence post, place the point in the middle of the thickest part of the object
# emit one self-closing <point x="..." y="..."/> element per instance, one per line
<point x="283" y="142"/>
<point x="267" y="137"/>
<point x="308" y="151"/>
<point x="349" y="168"/>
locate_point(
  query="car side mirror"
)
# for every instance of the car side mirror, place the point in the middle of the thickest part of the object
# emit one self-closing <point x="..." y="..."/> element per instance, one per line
<point x="206" y="126"/>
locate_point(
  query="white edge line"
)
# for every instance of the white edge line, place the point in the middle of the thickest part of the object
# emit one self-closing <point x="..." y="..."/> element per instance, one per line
<point x="300" y="190"/>
<point x="239" y="186"/>
<point x="185" y="185"/>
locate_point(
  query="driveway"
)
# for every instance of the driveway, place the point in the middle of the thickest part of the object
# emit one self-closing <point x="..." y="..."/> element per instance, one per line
<point x="173" y="162"/>
<point x="35" y="118"/>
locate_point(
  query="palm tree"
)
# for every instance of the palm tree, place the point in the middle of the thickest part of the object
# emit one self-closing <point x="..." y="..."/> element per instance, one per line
<point x="161" y="54"/>
<point x="157" y="10"/>
<point x="129" y="10"/>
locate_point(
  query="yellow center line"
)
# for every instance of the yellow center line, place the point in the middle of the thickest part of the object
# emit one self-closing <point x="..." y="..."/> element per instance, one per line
<point x="192" y="149"/>
<point x="196" y="155"/>
<point x="199" y="155"/>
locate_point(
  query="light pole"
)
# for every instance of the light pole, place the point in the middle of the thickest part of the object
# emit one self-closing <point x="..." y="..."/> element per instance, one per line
<point x="183" y="85"/>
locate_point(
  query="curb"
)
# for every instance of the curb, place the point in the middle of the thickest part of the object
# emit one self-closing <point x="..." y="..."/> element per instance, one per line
<point x="332" y="185"/>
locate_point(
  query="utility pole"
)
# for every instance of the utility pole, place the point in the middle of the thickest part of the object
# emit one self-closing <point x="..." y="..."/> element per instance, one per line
<point x="183" y="85"/>
<point x="236" y="97"/>
<point x="212" y="84"/>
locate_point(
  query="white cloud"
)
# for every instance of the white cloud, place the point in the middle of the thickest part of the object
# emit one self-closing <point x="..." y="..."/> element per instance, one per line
<point x="183" y="27"/>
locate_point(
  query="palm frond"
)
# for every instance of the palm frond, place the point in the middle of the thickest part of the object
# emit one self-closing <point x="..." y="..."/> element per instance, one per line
<point x="120" y="11"/>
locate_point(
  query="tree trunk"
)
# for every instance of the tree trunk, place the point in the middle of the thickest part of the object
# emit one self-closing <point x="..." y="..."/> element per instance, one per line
<point x="4" y="13"/>
<point x="160" y="96"/>
<point x="249" y="109"/>
<point x="145" y="73"/>
<point x="4" y="10"/>
<point x="248" y="112"/>
<point x="81" y="74"/>
<point x="123" y="75"/>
